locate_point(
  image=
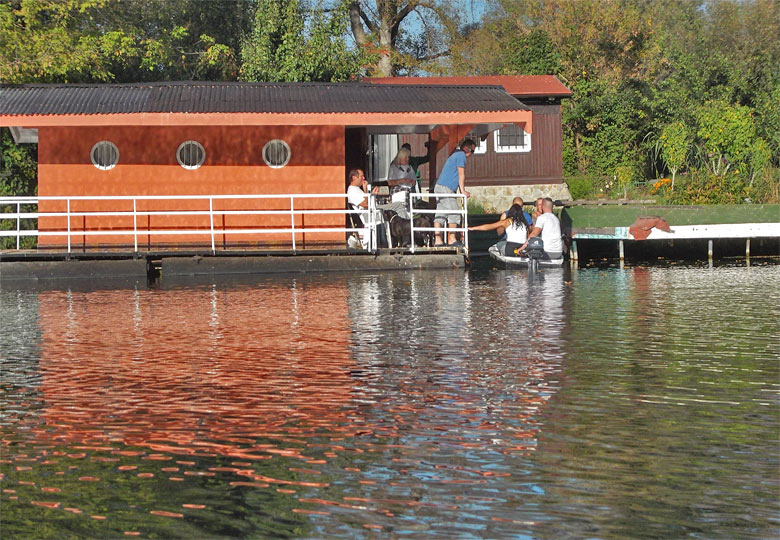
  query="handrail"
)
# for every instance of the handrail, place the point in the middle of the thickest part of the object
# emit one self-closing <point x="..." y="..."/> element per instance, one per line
<point x="211" y="230"/>
<point x="446" y="230"/>
<point x="370" y="217"/>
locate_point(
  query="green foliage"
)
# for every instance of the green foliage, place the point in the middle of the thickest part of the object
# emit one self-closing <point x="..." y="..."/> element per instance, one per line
<point x="473" y="206"/>
<point x="18" y="174"/>
<point x="705" y="187"/>
<point x="533" y="54"/>
<point x="767" y="117"/>
<point x="289" y="43"/>
<point x="602" y="121"/>
<point x="625" y="176"/>
<point x="582" y="187"/>
<point x="673" y="142"/>
<point x="726" y="132"/>
<point x="128" y="41"/>
<point x="759" y="159"/>
<point x="764" y="187"/>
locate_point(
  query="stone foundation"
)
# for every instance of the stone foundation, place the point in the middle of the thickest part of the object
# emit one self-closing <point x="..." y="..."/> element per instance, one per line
<point x="496" y="199"/>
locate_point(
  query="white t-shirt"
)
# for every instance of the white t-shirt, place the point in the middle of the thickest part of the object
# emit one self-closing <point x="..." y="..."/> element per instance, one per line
<point x="355" y="197"/>
<point x="516" y="234"/>
<point x="551" y="232"/>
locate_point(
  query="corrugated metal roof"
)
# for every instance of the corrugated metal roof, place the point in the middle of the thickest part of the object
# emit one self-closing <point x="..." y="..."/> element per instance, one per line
<point x="208" y="97"/>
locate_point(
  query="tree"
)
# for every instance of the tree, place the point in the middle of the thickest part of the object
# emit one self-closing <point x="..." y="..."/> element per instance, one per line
<point x="290" y="42"/>
<point x="726" y="135"/>
<point x="382" y="28"/>
<point x="533" y="53"/>
<point x="120" y="41"/>
<point x="674" y="141"/>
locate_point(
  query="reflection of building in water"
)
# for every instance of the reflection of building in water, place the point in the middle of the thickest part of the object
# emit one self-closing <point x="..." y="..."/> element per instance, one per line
<point x="169" y="368"/>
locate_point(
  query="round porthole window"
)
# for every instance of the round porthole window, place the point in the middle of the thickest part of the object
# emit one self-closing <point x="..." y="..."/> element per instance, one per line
<point x="104" y="155"/>
<point x="276" y="153"/>
<point x="190" y="154"/>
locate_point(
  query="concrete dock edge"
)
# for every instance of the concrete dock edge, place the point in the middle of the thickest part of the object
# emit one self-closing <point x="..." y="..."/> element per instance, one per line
<point x="79" y="269"/>
<point x="192" y="266"/>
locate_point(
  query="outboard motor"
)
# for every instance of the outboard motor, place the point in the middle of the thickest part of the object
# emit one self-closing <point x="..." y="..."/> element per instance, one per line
<point x="535" y="251"/>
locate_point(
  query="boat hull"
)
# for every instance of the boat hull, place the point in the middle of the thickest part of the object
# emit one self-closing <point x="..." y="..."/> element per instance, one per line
<point x="496" y="251"/>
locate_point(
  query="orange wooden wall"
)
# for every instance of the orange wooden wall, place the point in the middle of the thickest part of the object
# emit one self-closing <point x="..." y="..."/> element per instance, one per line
<point x="148" y="166"/>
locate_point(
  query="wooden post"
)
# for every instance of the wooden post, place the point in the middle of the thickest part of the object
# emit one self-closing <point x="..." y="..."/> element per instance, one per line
<point x="574" y="255"/>
<point x="709" y="251"/>
<point x="622" y="254"/>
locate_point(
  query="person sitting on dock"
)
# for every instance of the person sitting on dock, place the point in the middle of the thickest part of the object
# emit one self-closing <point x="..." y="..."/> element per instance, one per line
<point x="516" y="227"/>
<point x="548" y="226"/>
<point x="358" y="200"/>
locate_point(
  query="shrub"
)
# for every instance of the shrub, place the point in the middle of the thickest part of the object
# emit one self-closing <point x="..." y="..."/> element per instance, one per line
<point x="705" y="187"/>
<point x="674" y="147"/>
<point x="581" y="187"/>
<point x="765" y="187"/>
<point x="475" y="207"/>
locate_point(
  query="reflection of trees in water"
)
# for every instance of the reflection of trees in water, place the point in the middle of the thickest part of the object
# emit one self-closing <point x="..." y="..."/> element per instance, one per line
<point x="661" y="425"/>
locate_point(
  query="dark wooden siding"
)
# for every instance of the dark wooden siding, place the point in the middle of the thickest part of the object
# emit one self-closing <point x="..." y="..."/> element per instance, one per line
<point x="542" y="165"/>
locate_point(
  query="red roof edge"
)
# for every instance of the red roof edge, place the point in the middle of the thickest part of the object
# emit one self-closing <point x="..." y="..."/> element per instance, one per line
<point x="517" y="85"/>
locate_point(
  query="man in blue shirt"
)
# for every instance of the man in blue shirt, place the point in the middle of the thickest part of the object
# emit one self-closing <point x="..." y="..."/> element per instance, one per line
<point x="452" y="178"/>
<point x="526" y="216"/>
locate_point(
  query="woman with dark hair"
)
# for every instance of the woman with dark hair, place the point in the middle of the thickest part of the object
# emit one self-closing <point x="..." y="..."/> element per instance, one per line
<point x="516" y="230"/>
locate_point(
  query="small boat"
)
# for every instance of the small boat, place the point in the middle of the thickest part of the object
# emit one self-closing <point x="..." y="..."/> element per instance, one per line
<point x="496" y="251"/>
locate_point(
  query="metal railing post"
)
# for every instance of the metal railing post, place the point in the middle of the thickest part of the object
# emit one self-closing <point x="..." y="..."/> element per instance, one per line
<point x="292" y="220"/>
<point x="465" y="225"/>
<point x="67" y="214"/>
<point x="18" y="223"/>
<point x="411" y="221"/>
<point x="211" y="225"/>
<point x="373" y="237"/>
<point x="135" y="226"/>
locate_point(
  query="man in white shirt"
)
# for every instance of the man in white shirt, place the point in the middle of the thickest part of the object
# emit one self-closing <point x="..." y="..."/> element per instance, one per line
<point x="358" y="200"/>
<point x="549" y="228"/>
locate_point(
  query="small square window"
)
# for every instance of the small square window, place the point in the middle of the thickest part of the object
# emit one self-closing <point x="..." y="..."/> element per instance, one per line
<point x="511" y="138"/>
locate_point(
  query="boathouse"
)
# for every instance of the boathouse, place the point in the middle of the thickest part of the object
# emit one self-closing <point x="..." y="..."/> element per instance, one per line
<point x="257" y="162"/>
<point x="509" y="161"/>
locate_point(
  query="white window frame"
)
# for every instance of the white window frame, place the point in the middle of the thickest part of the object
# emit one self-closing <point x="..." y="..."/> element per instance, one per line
<point x="507" y="149"/>
<point x="104" y="144"/>
<point x="481" y="147"/>
<point x="276" y="165"/>
<point x="184" y="165"/>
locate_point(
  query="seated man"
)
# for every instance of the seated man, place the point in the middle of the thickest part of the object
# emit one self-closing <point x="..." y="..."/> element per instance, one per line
<point x="549" y="228"/>
<point x="517" y="200"/>
<point x="358" y="200"/>
<point x="537" y="209"/>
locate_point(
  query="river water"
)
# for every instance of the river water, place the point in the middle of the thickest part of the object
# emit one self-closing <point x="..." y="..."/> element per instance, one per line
<point x="637" y="403"/>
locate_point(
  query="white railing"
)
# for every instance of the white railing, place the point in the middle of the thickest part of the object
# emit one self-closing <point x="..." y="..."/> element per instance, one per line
<point x="11" y="209"/>
<point x="15" y="205"/>
<point x="463" y="212"/>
